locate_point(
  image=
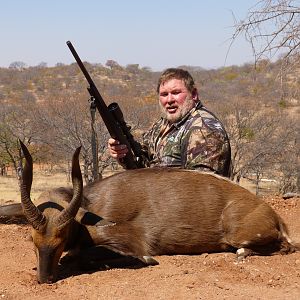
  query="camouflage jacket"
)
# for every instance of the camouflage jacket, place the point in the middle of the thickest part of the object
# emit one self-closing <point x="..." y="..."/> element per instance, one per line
<point x="198" y="141"/>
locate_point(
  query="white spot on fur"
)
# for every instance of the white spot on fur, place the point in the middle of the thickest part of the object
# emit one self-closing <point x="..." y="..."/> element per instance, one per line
<point x="240" y="252"/>
<point x="285" y="234"/>
<point x="104" y="223"/>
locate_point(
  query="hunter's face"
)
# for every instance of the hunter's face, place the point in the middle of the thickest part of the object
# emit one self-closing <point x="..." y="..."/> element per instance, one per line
<point x="175" y="100"/>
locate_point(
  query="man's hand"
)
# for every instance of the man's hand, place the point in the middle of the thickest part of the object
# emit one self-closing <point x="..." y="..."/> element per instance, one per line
<point x="116" y="150"/>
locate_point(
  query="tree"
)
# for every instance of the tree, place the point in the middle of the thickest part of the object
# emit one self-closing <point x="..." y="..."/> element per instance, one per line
<point x="272" y="27"/>
<point x="18" y="65"/>
<point x="133" y="68"/>
<point x="59" y="64"/>
<point x="112" y="64"/>
<point x="42" y="65"/>
<point x="289" y="162"/>
<point x="15" y="124"/>
<point x="260" y="139"/>
<point x="66" y="126"/>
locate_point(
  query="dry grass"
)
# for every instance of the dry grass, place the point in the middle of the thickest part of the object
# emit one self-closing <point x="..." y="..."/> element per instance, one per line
<point x="9" y="188"/>
<point x="265" y="187"/>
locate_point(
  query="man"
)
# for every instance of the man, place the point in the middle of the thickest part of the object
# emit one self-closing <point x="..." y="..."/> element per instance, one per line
<point x="187" y="136"/>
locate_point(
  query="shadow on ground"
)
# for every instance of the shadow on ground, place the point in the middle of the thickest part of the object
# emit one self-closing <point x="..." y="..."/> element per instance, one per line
<point x="95" y="259"/>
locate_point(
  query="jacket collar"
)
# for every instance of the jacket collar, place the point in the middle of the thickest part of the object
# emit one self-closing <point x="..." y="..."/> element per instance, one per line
<point x="181" y="121"/>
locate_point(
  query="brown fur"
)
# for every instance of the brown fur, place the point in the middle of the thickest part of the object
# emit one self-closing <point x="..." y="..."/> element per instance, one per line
<point x="171" y="211"/>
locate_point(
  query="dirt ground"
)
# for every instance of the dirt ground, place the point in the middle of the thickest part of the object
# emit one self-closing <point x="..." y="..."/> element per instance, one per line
<point x="206" y="276"/>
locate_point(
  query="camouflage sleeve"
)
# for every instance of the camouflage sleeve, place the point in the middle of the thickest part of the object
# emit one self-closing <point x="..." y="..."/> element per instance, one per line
<point x="207" y="148"/>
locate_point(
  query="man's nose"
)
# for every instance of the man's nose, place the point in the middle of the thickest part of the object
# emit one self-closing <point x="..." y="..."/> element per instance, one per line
<point x="170" y="97"/>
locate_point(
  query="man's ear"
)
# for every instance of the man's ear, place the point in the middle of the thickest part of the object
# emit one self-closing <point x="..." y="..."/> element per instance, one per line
<point x="195" y="95"/>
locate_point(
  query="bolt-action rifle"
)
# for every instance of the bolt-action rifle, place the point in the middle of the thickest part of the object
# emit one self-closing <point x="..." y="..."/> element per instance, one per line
<point x="112" y="117"/>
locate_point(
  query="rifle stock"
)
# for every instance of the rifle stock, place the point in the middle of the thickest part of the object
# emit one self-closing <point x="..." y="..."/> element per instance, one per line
<point x="112" y="124"/>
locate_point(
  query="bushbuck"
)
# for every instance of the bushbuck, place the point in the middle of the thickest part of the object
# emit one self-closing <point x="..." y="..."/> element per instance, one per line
<point x="149" y="212"/>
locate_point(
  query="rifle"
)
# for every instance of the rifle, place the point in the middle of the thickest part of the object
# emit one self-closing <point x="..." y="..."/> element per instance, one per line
<point x="112" y="117"/>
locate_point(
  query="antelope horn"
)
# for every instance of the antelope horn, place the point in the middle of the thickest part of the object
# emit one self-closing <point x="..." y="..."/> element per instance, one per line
<point x="70" y="212"/>
<point x="34" y="216"/>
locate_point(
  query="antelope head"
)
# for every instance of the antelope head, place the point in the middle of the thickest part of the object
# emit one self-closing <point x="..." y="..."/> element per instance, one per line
<point x="52" y="223"/>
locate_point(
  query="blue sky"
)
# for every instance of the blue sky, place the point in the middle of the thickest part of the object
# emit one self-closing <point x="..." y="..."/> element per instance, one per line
<point x="156" y="34"/>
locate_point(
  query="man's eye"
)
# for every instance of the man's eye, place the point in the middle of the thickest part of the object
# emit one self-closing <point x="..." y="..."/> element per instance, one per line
<point x="164" y="94"/>
<point x="176" y="92"/>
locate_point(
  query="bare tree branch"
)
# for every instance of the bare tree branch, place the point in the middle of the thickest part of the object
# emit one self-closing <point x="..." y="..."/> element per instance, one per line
<point x="272" y="27"/>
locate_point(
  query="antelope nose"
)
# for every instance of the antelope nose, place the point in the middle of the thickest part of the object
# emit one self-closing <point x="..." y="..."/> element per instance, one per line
<point x="50" y="279"/>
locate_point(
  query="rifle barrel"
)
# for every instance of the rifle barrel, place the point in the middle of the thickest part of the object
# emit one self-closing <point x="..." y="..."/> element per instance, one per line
<point x="80" y="63"/>
<point x="111" y="124"/>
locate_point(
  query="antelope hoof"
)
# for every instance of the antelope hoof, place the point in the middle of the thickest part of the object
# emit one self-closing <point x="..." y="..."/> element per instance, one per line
<point x="149" y="260"/>
<point x="242" y="253"/>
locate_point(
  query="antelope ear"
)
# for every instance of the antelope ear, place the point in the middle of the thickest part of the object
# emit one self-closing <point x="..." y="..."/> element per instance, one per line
<point x="86" y="217"/>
